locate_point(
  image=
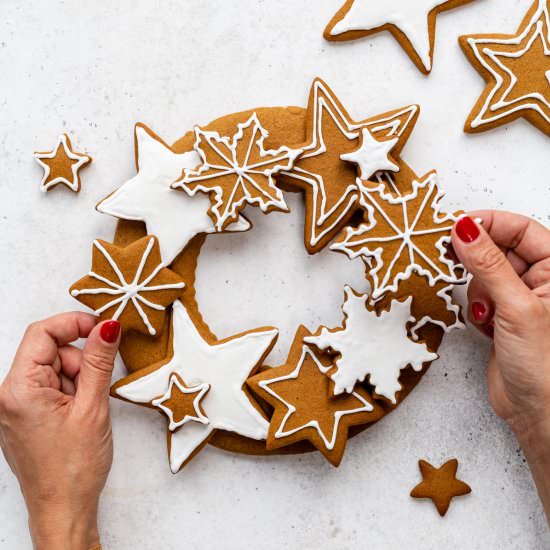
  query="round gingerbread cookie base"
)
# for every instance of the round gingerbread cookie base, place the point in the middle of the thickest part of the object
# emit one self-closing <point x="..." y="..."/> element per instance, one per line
<point x="286" y="125"/>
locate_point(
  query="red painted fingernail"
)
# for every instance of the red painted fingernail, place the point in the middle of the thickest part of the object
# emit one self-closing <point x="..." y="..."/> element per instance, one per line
<point x="478" y="311"/>
<point x="467" y="229"/>
<point x="109" y="331"/>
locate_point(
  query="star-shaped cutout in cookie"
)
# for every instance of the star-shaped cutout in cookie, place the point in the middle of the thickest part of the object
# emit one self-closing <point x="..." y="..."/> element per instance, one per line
<point x="198" y="359"/>
<point x="517" y="71"/>
<point x="324" y="170"/>
<point x="440" y="484"/>
<point x="304" y="407"/>
<point x="412" y="22"/>
<point x="62" y="165"/>
<point x="175" y="218"/>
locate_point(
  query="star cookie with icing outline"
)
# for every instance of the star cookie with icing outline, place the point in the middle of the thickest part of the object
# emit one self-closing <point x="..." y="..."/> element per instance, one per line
<point x="336" y="148"/>
<point x="303" y="405"/>
<point x="440" y="484"/>
<point x="61" y="165"/>
<point x="198" y="359"/>
<point x="173" y="217"/>
<point x="517" y="71"/>
<point x="130" y="284"/>
<point x="411" y="22"/>
<point x="237" y="171"/>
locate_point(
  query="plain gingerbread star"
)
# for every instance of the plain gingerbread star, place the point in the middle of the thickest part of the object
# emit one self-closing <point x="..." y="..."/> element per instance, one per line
<point x="412" y="22"/>
<point x="517" y="71"/>
<point x="61" y="165"/>
<point x="440" y="484"/>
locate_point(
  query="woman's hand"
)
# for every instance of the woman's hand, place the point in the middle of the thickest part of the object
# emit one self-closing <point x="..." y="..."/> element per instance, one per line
<point x="55" y="429"/>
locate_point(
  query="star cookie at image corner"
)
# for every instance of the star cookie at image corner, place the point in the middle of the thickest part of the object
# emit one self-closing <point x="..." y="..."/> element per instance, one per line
<point x="325" y="170"/>
<point x="440" y="484"/>
<point x="61" y="165"/>
<point x="197" y="359"/>
<point x="130" y="284"/>
<point x="517" y="71"/>
<point x="237" y="171"/>
<point x="304" y="407"/>
<point x="173" y="217"/>
<point x="411" y="22"/>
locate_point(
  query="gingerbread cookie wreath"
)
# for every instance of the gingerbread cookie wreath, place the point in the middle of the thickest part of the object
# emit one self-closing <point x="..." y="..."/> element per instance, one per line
<point x="361" y="199"/>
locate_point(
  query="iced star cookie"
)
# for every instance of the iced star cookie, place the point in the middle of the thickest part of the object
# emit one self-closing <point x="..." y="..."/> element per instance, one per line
<point x="304" y="407"/>
<point x="517" y="71"/>
<point x="411" y="22"/>
<point x="218" y="369"/>
<point x="130" y="284"/>
<point x="61" y="165"/>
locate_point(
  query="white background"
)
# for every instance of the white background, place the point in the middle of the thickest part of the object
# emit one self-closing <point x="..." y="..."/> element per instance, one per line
<point x="93" y="69"/>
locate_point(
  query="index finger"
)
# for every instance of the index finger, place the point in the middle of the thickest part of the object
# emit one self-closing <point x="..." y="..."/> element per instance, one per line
<point x="529" y="239"/>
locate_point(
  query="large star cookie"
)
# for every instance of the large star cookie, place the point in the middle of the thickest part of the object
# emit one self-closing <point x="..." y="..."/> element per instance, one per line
<point x="175" y="218"/>
<point x="201" y="363"/>
<point x="304" y="408"/>
<point x="61" y="165"/>
<point x="337" y="147"/>
<point x="412" y="23"/>
<point x="517" y="70"/>
<point x="130" y="284"/>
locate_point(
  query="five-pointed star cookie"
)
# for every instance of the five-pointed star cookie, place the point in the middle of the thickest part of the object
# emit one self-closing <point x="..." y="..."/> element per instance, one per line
<point x="440" y="484"/>
<point x="198" y="359"/>
<point x="517" y="71"/>
<point x="130" y="284"/>
<point x="304" y="407"/>
<point x="326" y="168"/>
<point x="175" y="218"/>
<point x="412" y="22"/>
<point x="62" y="165"/>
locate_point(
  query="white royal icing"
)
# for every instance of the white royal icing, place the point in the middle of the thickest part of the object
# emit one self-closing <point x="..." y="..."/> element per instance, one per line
<point x="199" y="390"/>
<point x="175" y="218"/>
<point x="81" y="160"/>
<point x="373" y="199"/>
<point x="409" y="16"/>
<point x="245" y="172"/>
<point x="224" y="366"/>
<point x="372" y="345"/>
<point x="492" y="111"/>
<point x="329" y="440"/>
<point x="125" y="292"/>
<point x="324" y="102"/>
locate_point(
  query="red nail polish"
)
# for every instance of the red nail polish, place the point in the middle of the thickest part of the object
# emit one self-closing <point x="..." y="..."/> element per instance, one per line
<point x="467" y="229"/>
<point x="109" y="331"/>
<point x="478" y="311"/>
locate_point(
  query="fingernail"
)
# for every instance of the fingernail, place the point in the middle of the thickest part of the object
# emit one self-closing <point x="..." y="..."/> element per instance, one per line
<point x="478" y="311"/>
<point x="467" y="229"/>
<point x="109" y="331"/>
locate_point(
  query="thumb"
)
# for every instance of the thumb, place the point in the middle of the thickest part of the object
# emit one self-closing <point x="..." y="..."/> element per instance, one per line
<point x="98" y="359"/>
<point x="488" y="264"/>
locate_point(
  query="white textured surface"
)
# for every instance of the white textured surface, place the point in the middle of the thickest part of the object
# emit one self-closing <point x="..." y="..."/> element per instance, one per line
<point x="95" y="68"/>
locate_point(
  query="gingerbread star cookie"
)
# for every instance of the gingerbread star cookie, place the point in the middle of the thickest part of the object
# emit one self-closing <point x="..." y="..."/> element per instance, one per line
<point x="237" y="171"/>
<point x="411" y="22"/>
<point x="215" y="371"/>
<point x="440" y="484"/>
<point x="358" y="344"/>
<point x="61" y="165"/>
<point x="129" y="284"/>
<point x="173" y="217"/>
<point x="336" y="150"/>
<point x="304" y="408"/>
<point x="517" y="70"/>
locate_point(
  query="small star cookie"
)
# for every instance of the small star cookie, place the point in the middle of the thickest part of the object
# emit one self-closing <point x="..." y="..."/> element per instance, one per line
<point x="129" y="284"/>
<point x="440" y="484"/>
<point x="412" y="23"/>
<point x="517" y="70"/>
<point x="61" y="166"/>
